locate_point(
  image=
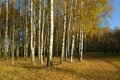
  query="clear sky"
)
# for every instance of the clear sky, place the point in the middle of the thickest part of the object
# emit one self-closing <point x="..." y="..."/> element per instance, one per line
<point x="115" y="21"/>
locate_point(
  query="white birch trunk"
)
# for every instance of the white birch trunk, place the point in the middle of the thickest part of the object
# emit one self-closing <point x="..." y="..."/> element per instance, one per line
<point x="72" y="49"/>
<point x="81" y="51"/>
<point x="31" y="37"/>
<point x="80" y="44"/>
<point x="26" y="33"/>
<point x="39" y="30"/>
<point x="69" y="26"/>
<point x="13" y="29"/>
<point x="49" y="61"/>
<point x="6" y="30"/>
<point x="81" y="33"/>
<point x="34" y="27"/>
<point x="42" y="35"/>
<point x="63" y="43"/>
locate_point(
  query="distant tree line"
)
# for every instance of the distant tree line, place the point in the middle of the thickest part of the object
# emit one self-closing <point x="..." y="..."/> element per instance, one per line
<point x="108" y="41"/>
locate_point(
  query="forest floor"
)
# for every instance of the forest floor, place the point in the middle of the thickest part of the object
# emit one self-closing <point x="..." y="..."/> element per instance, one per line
<point x="95" y="66"/>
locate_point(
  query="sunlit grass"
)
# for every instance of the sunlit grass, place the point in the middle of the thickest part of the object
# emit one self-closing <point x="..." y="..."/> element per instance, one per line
<point x="93" y="67"/>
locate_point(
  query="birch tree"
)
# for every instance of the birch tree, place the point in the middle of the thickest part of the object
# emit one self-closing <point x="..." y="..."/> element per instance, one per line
<point x="32" y="33"/>
<point x="81" y="44"/>
<point x="49" y="60"/>
<point x="63" y="43"/>
<point x="39" y="30"/>
<point x="26" y="31"/>
<point x="81" y="35"/>
<point x="6" y="30"/>
<point x="74" y="4"/>
<point x="72" y="49"/>
<point x="13" y="30"/>
<point x="42" y="34"/>
<point x="69" y="27"/>
<point x="34" y="26"/>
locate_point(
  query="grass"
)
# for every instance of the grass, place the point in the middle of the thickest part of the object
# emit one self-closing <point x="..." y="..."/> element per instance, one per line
<point x="95" y="66"/>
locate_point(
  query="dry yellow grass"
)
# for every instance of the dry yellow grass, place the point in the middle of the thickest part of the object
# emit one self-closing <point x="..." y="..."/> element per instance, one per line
<point x="91" y="68"/>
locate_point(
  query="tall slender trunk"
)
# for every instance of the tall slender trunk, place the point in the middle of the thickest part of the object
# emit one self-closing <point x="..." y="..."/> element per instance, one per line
<point x="26" y="33"/>
<point x="31" y="37"/>
<point x="34" y="27"/>
<point x="13" y="29"/>
<point x="6" y="30"/>
<point x="63" y="43"/>
<point x="23" y="32"/>
<point x="69" y="26"/>
<point x="42" y="35"/>
<point x="49" y="61"/>
<point x="81" y="44"/>
<point x="81" y="35"/>
<point x="39" y="30"/>
<point x="72" y="49"/>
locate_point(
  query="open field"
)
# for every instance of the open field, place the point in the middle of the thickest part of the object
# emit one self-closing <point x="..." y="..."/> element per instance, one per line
<point x="95" y="66"/>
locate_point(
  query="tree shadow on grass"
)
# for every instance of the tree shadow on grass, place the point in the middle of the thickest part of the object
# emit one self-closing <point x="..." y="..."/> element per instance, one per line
<point x="29" y="66"/>
<point x="34" y="67"/>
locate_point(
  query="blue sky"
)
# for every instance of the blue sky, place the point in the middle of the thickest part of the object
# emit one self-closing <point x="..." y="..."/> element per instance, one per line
<point x="115" y="21"/>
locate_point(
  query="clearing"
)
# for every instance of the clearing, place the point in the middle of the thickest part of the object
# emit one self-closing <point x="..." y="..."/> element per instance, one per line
<point x="95" y="66"/>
